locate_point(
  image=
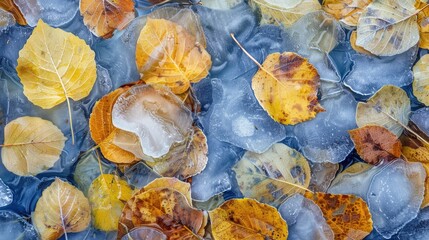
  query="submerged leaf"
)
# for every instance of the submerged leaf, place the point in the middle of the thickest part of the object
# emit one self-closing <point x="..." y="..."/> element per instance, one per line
<point x="273" y="176"/>
<point x="389" y="107"/>
<point x="388" y="27"/>
<point x="102" y="21"/>
<point x="246" y="218"/>
<point x="107" y="195"/>
<point x="61" y="209"/>
<point x="346" y="11"/>
<point x="421" y="79"/>
<point x="31" y="145"/>
<point x="11" y="7"/>
<point x="423" y="21"/>
<point x="55" y="66"/>
<point x="375" y="144"/>
<point x="355" y="47"/>
<point x="348" y="215"/>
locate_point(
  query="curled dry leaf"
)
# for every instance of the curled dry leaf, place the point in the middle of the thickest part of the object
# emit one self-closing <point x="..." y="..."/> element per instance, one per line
<point x="166" y="210"/>
<point x="388" y="27"/>
<point x="375" y="144"/>
<point x="346" y="11"/>
<point x="389" y="107"/>
<point x="284" y="12"/>
<point x="107" y="196"/>
<point x="54" y="66"/>
<point x="103" y="17"/>
<point x="11" y="7"/>
<point x="356" y="47"/>
<point x="102" y="129"/>
<point x="421" y="79"/>
<point x="286" y="87"/>
<point x="273" y="176"/>
<point x="173" y="183"/>
<point x="31" y="145"/>
<point x="61" y="209"/>
<point x="238" y="219"/>
<point x="348" y="215"/>
<point x="144" y="233"/>
<point x="423" y="21"/>
<point x="168" y="54"/>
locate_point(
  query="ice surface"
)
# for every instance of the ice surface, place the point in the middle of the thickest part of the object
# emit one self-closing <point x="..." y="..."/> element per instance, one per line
<point x="6" y="195"/>
<point x="14" y="226"/>
<point x="91" y="234"/>
<point x="304" y="219"/>
<point x="157" y="116"/>
<point x="11" y="41"/>
<point x="418" y="229"/>
<point x="57" y="13"/>
<point x="139" y="175"/>
<point x="221" y="5"/>
<point x="370" y="73"/>
<point x="238" y="118"/>
<point x="30" y="9"/>
<point x="6" y="20"/>
<point x="420" y="118"/>
<point x="322" y="175"/>
<point x="326" y="138"/>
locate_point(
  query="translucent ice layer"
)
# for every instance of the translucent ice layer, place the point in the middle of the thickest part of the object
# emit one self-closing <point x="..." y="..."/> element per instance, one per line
<point x="14" y="226"/>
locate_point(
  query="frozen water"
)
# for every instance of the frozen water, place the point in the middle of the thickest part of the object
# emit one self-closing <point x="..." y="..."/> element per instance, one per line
<point x="238" y="118"/>
<point x="6" y="20"/>
<point x="326" y="138"/>
<point x="6" y="195"/>
<point x="57" y="13"/>
<point x="11" y="41"/>
<point x="420" y="118"/>
<point x="370" y="73"/>
<point x="221" y="5"/>
<point x="30" y="9"/>
<point x="91" y="234"/>
<point x="395" y="195"/>
<point x="418" y="229"/>
<point x="304" y="219"/>
<point x="78" y="28"/>
<point x="139" y="175"/>
<point x="14" y="226"/>
<point x="322" y="175"/>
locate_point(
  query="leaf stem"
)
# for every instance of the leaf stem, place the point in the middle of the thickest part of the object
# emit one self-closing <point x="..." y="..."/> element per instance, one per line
<point x="406" y="127"/>
<point x="70" y="119"/>
<point x="244" y="50"/>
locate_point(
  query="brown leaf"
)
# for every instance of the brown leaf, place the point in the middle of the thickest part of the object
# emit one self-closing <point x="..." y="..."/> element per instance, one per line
<point x="11" y="7"/>
<point x="173" y="183"/>
<point x="375" y="143"/>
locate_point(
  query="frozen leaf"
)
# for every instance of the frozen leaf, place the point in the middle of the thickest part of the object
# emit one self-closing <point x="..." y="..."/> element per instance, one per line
<point x="139" y="175"/>
<point x="348" y="215"/>
<point x="55" y="66"/>
<point x="11" y="7"/>
<point x="103" y="17"/>
<point x="6" y="20"/>
<point x="221" y="5"/>
<point x="388" y="27"/>
<point x="31" y="145"/>
<point x="6" y="195"/>
<point x="423" y="21"/>
<point x="165" y="209"/>
<point x="173" y="183"/>
<point x="107" y="196"/>
<point x="284" y="12"/>
<point x="273" y="176"/>
<point x="170" y="55"/>
<point x="16" y="227"/>
<point x="145" y="233"/>
<point x="346" y="11"/>
<point x="322" y="175"/>
<point x="355" y="47"/>
<point x="421" y="79"/>
<point x="355" y="179"/>
<point x="61" y="209"/>
<point x="286" y="87"/>
<point x="389" y="108"/>
<point x="155" y="115"/>
<point x="247" y="218"/>
<point x="375" y="143"/>
<point x="102" y="129"/>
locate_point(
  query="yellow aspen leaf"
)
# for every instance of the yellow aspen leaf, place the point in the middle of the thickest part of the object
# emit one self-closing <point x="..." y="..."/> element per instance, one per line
<point x="107" y="196"/>
<point x="105" y="16"/>
<point x="11" y="7"/>
<point x="348" y="215"/>
<point x="102" y="129"/>
<point x="166" y="210"/>
<point x="238" y="219"/>
<point x="423" y="21"/>
<point x="55" y="66"/>
<point x="284" y="12"/>
<point x="346" y="11"/>
<point x="388" y="27"/>
<point x="421" y="79"/>
<point x="273" y="176"/>
<point x="61" y="209"/>
<point x="167" y="54"/>
<point x="31" y="145"/>
<point x="355" y="47"/>
<point x="173" y="183"/>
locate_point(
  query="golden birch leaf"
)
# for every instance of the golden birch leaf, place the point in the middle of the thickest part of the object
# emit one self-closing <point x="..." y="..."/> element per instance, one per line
<point x="273" y="176"/>
<point x="284" y="12"/>
<point x="346" y="11"/>
<point x="55" y="66"/>
<point x="286" y="87"/>
<point x="423" y="21"/>
<point x="11" y="7"/>
<point x="167" y="54"/>
<point x="31" y="145"/>
<point x="61" y="209"/>
<point x="421" y="79"/>
<point x="107" y="196"/>
<point x="389" y="107"/>
<point x="238" y="219"/>
<point x="105" y="16"/>
<point x="173" y="183"/>
<point x="388" y="27"/>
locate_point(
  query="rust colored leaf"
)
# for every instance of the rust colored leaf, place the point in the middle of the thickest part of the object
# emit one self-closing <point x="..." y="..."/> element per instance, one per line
<point x="11" y="7"/>
<point x="173" y="183"/>
<point x="348" y="215"/>
<point x="375" y="143"/>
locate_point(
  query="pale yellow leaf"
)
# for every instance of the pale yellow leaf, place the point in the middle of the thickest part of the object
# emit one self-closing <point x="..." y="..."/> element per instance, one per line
<point x="421" y="80"/>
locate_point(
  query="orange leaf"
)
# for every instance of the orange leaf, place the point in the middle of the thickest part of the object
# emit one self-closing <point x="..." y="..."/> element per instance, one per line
<point x="348" y="215"/>
<point x="375" y="143"/>
<point x="104" y="16"/>
<point x="173" y="183"/>
<point x="11" y="7"/>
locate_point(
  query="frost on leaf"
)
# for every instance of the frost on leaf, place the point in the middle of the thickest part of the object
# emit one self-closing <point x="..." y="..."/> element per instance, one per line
<point x="11" y="7"/>
<point x="421" y="79"/>
<point x="346" y="11"/>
